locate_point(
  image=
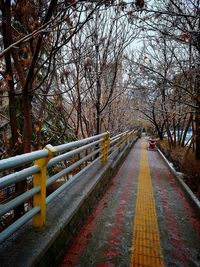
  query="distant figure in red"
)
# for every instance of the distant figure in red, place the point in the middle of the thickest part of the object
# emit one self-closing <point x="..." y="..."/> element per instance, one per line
<point x="152" y="143"/>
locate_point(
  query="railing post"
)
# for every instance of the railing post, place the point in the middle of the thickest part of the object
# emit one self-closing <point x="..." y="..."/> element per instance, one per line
<point x="39" y="179"/>
<point x="119" y="143"/>
<point x="105" y="147"/>
<point x="127" y="138"/>
<point x="134" y="135"/>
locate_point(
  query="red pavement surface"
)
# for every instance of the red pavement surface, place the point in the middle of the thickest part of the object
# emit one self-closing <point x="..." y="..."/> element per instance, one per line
<point x="106" y="238"/>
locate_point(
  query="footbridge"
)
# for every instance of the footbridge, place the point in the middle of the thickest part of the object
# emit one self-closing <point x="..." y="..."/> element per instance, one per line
<point x="100" y="201"/>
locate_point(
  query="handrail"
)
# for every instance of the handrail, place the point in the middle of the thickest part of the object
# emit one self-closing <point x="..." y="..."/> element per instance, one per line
<point x="18" y="176"/>
<point x="71" y="153"/>
<point x="64" y="186"/>
<point x="100" y="147"/>
<point x="20" y="160"/>
<point x="71" y="168"/>
<point x="62" y="148"/>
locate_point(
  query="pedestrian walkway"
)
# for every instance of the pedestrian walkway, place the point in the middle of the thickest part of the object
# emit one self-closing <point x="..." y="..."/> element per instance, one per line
<point x="143" y="219"/>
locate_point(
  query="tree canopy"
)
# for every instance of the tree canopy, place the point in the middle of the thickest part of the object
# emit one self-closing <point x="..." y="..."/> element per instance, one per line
<point x="71" y="69"/>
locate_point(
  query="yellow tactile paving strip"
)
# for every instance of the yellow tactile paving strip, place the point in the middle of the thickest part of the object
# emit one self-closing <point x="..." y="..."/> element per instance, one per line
<point x="146" y="247"/>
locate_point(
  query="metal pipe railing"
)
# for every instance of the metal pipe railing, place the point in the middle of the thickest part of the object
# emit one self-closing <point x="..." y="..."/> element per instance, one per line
<point x="71" y="168"/>
<point x="18" y="176"/>
<point x="62" y="148"/>
<point x="72" y="153"/>
<point x="16" y="225"/>
<point x="64" y="186"/>
<point x="20" y="160"/>
<point x="100" y="146"/>
<point x="18" y="200"/>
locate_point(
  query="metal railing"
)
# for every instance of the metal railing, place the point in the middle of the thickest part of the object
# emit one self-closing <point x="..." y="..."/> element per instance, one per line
<point x="36" y="166"/>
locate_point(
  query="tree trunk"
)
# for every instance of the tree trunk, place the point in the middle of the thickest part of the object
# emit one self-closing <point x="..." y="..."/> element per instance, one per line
<point x="160" y="134"/>
<point x="197" y="122"/>
<point x="98" y="124"/>
<point x="98" y="106"/>
<point x="186" y="129"/>
<point x="197" y="112"/>
<point x="14" y="144"/>
<point x="6" y="23"/>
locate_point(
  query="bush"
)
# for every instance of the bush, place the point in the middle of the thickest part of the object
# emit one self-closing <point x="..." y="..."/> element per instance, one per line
<point x="185" y="162"/>
<point x="191" y="169"/>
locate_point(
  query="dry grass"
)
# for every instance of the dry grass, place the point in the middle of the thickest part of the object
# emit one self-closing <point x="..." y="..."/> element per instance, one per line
<point x="191" y="169"/>
<point x="184" y="161"/>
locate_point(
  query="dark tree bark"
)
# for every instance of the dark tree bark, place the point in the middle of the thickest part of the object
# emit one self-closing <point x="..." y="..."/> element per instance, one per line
<point x="14" y="144"/>
<point x="197" y="123"/>
<point x="6" y="24"/>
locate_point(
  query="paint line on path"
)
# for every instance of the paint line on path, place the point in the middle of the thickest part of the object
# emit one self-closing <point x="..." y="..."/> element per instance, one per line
<point x="146" y="246"/>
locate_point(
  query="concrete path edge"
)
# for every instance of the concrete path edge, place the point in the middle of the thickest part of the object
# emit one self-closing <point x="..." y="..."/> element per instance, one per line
<point x="190" y="195"/>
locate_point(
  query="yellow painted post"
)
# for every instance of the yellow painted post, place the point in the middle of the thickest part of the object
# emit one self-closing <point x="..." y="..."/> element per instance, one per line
<point x="39" y="179"/>
<point x="105" y="147"/>
<point x="132" y="135"/>
<point x="119" y="143"/>
<point x="127" y="138"/>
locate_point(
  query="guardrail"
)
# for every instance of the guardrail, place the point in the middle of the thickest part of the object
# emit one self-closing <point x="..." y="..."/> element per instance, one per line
<point x="95" y="148"/>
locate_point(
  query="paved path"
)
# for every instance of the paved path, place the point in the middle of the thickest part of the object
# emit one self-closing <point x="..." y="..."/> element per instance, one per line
<point x="144" y="219"/>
